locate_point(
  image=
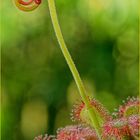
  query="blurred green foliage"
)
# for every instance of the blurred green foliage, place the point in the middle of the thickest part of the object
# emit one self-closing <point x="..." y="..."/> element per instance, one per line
<point x="38" y="90"/>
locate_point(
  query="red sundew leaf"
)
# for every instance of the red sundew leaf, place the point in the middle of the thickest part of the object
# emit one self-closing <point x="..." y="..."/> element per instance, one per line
<point x="76" y="132"/>
<point x="46" y="137"/>
<point x="117" y="129"/>
<point x="78" y="115"/>
<point x="130" y="107"/>
<point x="134" y="124"/>
<point x="122" y="127"/>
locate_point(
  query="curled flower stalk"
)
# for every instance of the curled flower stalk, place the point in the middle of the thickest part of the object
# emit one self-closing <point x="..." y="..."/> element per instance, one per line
<point x="29" y="5"/>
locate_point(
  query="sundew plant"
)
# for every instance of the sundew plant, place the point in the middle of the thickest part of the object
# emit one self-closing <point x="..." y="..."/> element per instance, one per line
<point x="95" y="122"/>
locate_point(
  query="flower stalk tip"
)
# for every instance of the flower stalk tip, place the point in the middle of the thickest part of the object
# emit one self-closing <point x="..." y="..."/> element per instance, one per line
<point x="27" y="6"/>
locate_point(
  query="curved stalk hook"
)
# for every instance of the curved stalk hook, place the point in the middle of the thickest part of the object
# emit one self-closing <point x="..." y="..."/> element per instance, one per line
<point x="27" y="5"/>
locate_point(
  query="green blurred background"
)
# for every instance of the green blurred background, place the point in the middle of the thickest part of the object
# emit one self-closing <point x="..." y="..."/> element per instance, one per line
<point x="38" y="90"/>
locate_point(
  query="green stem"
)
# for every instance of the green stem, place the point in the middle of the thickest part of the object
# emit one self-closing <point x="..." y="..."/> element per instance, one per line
<point x="71" y="65"/>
